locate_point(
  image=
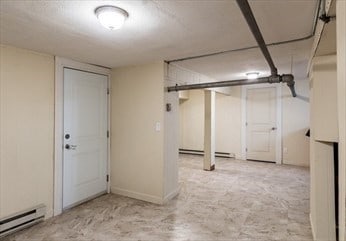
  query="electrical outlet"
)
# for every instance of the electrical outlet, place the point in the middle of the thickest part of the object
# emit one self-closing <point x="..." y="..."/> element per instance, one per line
<point x="285" y="150"/>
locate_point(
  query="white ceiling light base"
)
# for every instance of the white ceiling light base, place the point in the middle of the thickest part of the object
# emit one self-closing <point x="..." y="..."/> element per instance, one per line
<point x="111" y="17"/>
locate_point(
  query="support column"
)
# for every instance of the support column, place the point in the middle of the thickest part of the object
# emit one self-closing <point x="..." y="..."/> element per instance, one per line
<point x="209" y="130"/>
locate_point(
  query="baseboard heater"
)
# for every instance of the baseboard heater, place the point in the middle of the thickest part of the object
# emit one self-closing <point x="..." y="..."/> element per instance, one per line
<point x="22" y="220"/>
<point x="201" y="153"/>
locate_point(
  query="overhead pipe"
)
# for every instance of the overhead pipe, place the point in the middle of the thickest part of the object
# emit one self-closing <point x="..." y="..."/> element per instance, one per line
<point x="285" y="78"/>
<point x="251" y="21"/>
<point x="274" y="78"/>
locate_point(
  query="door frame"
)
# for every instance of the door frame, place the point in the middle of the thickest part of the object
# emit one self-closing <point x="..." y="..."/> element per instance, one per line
<point x="245" y="88"/>
<point x="60" y="64"/>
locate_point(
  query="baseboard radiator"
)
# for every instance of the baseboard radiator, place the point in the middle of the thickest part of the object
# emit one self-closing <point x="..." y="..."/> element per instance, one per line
<point x="22" y="220"/>
<point x="201" y="153"/>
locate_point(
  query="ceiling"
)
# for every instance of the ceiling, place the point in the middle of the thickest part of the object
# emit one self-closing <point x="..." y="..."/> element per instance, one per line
<point x="162" y="30"/>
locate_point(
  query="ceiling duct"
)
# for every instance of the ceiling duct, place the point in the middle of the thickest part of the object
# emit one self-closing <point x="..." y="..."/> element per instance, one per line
<point x="274" y="78"/>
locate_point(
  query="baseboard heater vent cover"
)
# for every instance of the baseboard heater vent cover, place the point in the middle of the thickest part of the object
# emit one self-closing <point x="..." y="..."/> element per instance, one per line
<point x="201" y="153"/>
<point x="22" y="220"/>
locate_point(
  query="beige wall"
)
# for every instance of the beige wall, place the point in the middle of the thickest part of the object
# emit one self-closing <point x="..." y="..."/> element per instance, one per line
<point x="191" y="113"/>
<point x="341" y="85"/>
<point x="228" y="122"/>
<point x="295" y="112"/>
<point x="26" y="127"/>
<point x="137" y="149"/>
<point x="324" y="132"/>
<point x="227" y="119"/>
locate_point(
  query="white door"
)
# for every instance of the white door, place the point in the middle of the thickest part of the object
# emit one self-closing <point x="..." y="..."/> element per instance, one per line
<point x="261" y="124"/>
<point x="85" y="136"/>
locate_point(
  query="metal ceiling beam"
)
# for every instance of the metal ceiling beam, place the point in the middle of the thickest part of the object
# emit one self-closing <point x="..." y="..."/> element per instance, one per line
<point x="251" y="21"/>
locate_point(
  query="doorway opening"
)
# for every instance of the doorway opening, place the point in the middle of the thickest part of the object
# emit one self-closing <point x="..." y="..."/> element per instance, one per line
<point x="261" y="130"/>
<point x="82" y="145"/>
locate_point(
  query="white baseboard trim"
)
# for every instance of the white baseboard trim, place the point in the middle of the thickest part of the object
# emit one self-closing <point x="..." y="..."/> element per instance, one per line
<point x="171" y="195"/>
<point x="312" y="228"/>
<point x="137" y="195"/>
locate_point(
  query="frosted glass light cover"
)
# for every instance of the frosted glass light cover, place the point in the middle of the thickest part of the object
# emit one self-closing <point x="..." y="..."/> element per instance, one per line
<point x="111" y="17"/>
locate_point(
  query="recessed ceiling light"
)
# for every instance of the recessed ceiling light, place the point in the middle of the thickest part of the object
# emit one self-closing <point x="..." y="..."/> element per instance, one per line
<point x="111" y="17"/>
<point x="252" y="75"/>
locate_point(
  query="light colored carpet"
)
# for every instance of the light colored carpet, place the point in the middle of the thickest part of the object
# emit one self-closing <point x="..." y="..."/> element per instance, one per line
<point x="240" y="200"/>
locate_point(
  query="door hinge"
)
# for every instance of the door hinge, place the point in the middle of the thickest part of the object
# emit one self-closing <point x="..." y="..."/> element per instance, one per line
<point x="107" y="91"/>
<point x="245" y="123"/>
<point x="107" y="134"/>
<point x="246" y="149"/>
<point x="107" y="178"/>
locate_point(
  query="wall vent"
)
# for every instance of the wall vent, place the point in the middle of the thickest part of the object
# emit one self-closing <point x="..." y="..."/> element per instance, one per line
<point x="22" y="220"/>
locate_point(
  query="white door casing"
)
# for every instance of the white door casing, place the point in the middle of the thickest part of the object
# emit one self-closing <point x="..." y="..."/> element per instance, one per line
<point x="85" y="136"/>
<point x="60" y="65"/>
<point x="261" y="131"/>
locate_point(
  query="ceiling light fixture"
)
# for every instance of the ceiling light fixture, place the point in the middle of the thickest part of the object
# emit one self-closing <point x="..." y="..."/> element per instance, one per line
<point x="111" y="17"/>
<point x="252" y="75"/>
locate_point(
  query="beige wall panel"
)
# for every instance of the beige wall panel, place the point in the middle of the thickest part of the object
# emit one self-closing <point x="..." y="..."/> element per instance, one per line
<point x="26" y="130"/>
<point x="137" y="148"/>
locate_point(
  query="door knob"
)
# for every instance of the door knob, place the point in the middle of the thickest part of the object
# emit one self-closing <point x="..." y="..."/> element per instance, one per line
<point x="70" y="147"/>
<point x="274" y="128"/>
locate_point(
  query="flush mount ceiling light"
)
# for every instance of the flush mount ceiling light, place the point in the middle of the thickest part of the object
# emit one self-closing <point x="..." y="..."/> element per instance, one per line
<point x="252" y="75"/>
<point x="111" y="17"/>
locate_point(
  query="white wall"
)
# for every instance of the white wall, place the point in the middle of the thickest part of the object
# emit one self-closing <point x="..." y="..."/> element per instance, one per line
<point x="295" y="123"/>
<point x="229" y="118"/>
<point x="26" y="130"/>
<point x="171" y="140"/>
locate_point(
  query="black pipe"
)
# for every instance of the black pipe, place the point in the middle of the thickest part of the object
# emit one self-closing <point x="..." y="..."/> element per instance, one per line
<point x="218" y="84"/>
<point x="286" y="78"/>
<point x="251" y="21"/>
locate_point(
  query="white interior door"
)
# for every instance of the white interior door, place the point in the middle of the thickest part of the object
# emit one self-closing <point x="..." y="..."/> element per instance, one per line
<point x="85" y="136"/>
<point x="261" y="124"/>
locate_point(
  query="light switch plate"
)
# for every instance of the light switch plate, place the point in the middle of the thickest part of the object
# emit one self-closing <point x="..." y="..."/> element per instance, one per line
<point x="158" y="126"/>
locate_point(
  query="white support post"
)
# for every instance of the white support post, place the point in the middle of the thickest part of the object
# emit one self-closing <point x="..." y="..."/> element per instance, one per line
<point x="209" y="130"/>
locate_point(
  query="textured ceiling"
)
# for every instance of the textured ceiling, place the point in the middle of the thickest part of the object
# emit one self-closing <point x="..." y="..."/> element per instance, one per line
<point x="159" y="30"/>
<point x="288" y="58"/>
